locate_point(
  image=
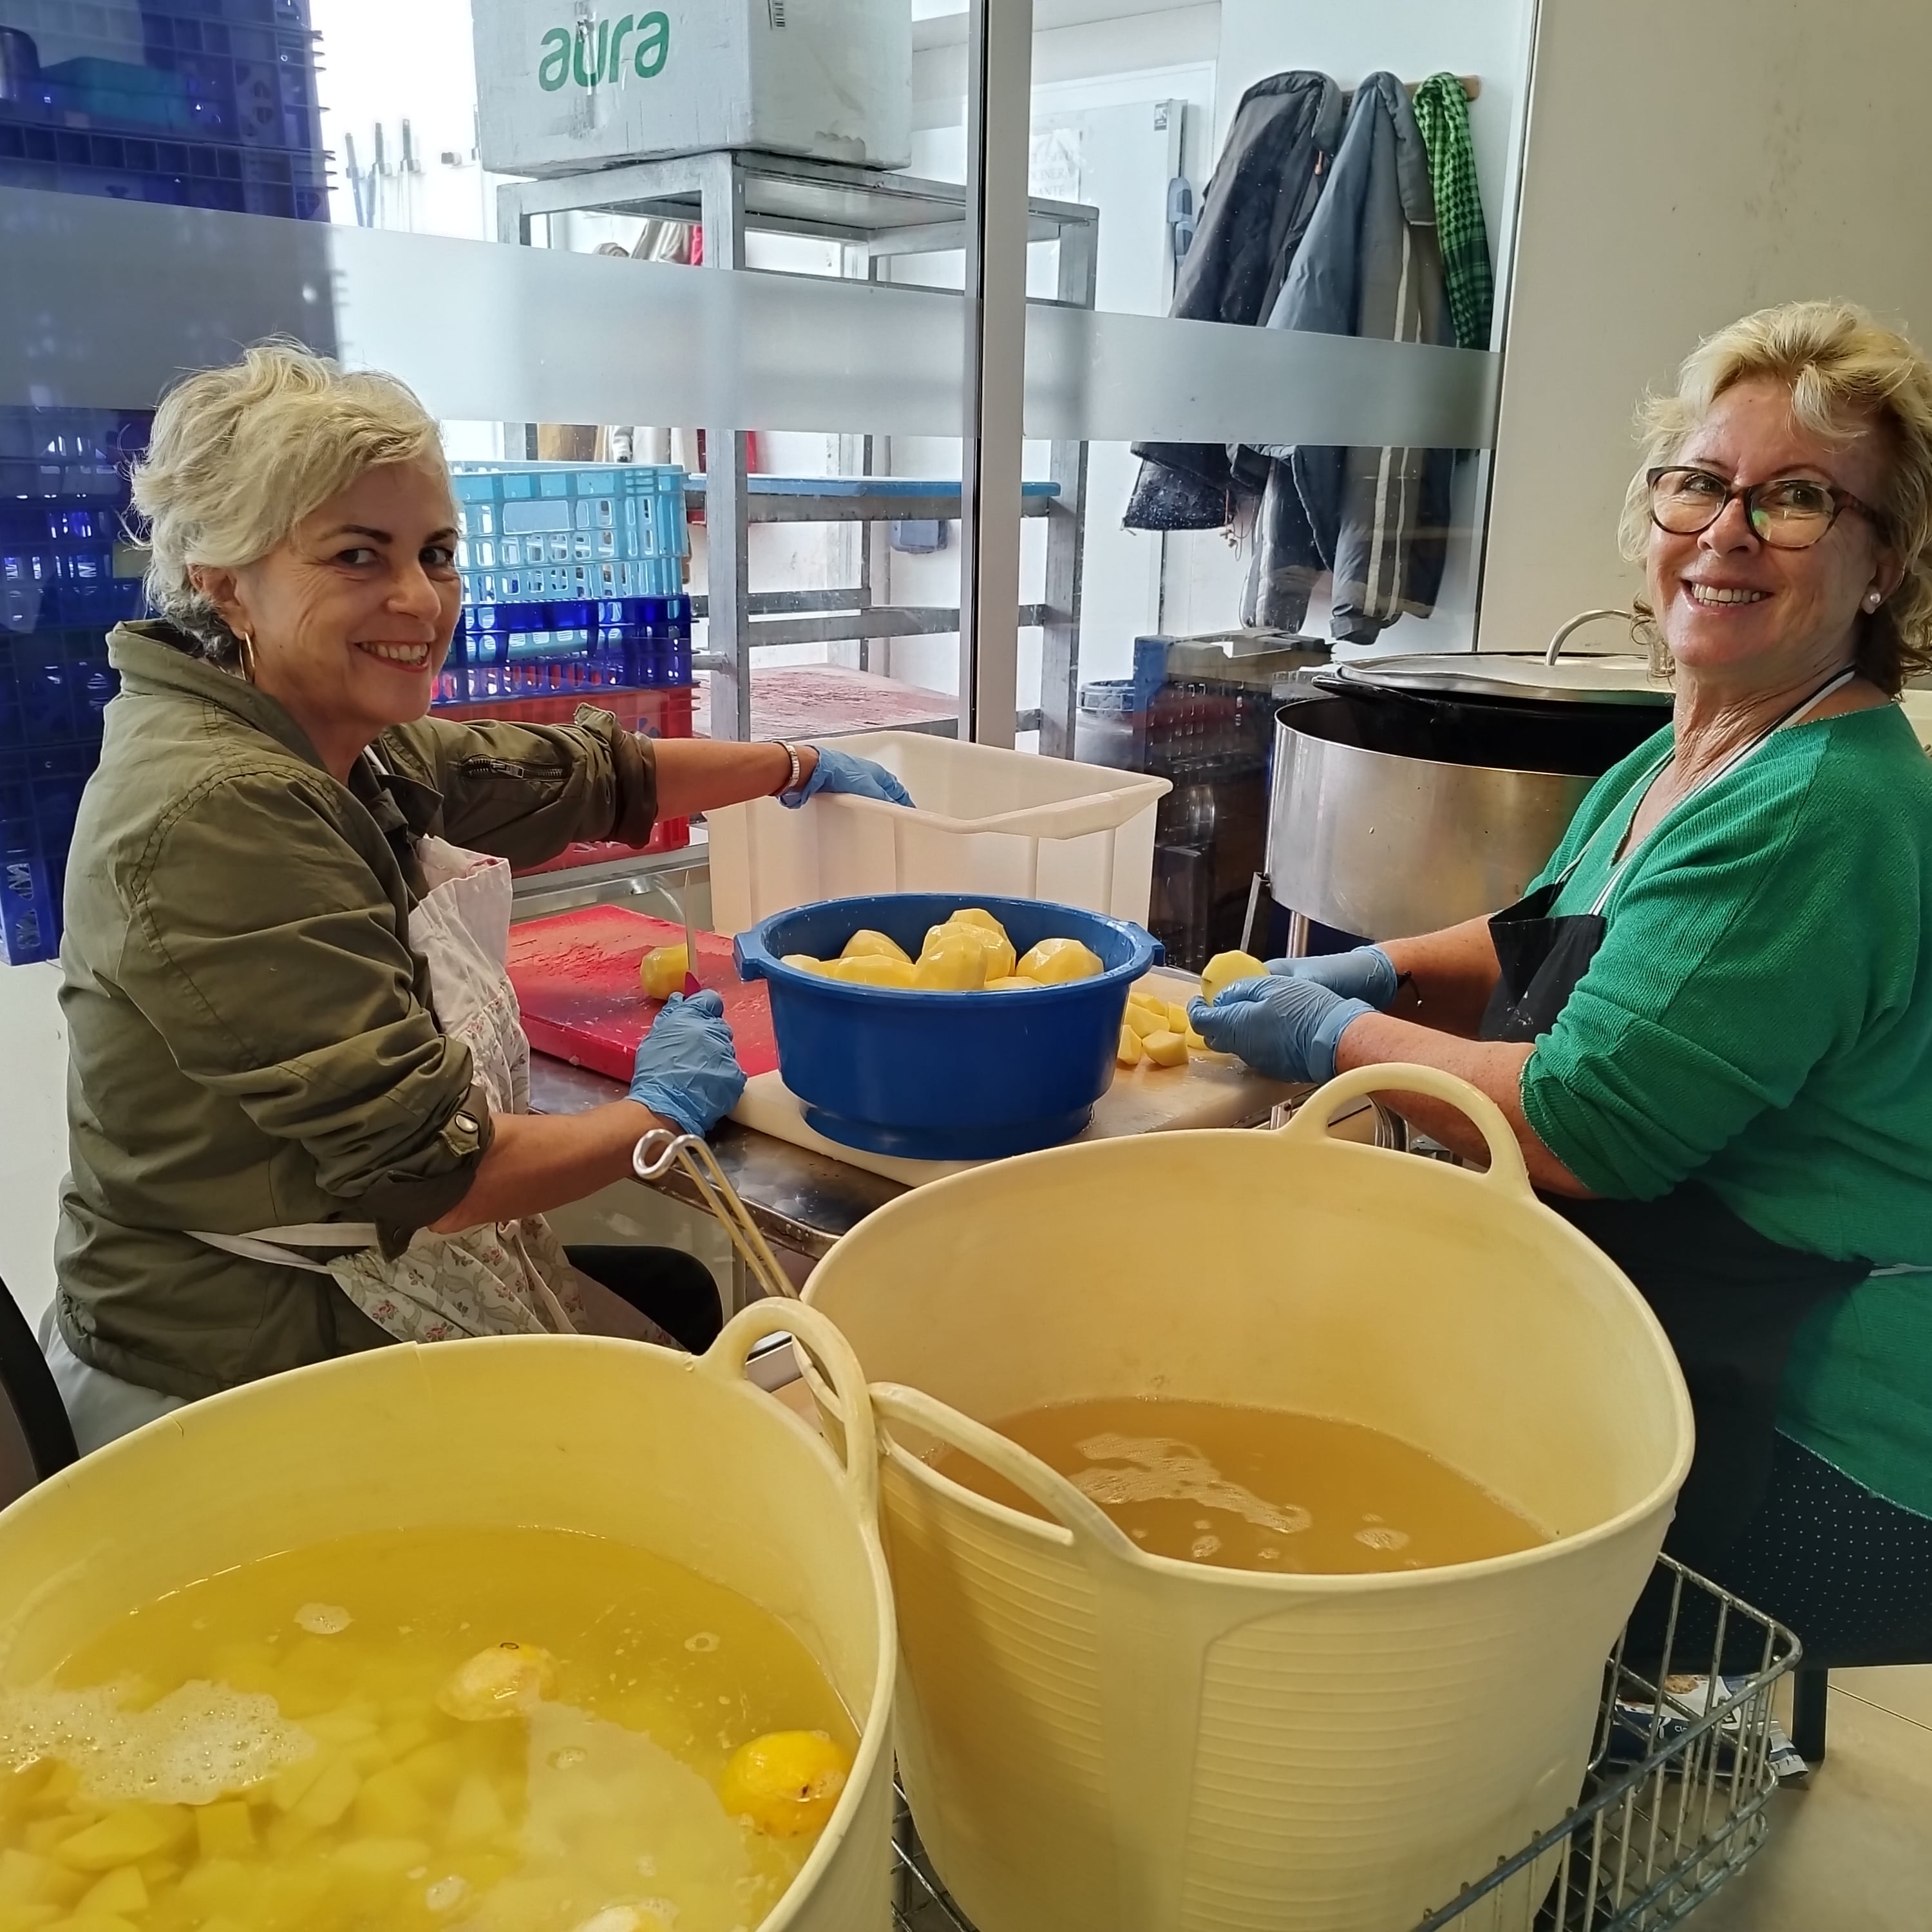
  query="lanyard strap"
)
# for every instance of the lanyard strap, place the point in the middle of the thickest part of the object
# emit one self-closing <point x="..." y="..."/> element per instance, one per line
<point x="1796" y="715"/>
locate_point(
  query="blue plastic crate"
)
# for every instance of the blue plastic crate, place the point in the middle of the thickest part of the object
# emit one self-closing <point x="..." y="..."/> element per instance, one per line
<point x="292" y="183"/>
<point x="548" y="649"/>
<point x="54" y="686"/>
<point x="536" y="532"/>
<point x="40" y="795"/>
<point x="57" y="567"/>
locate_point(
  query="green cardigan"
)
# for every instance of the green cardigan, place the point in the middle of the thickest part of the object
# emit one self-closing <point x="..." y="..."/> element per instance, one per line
<point x="1759" y="1014"/>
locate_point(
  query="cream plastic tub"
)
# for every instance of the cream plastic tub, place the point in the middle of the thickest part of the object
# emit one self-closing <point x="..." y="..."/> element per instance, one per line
<point x="986" y="820"/>
<point x="1095" y="1740"/>
<point x="618" y="1439"/>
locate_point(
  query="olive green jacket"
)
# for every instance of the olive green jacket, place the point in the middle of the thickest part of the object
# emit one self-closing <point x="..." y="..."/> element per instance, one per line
<point x="250" y="1038"/>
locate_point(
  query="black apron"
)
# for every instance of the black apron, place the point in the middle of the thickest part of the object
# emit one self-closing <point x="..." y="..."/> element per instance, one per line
<point x="1729" y="1298"/>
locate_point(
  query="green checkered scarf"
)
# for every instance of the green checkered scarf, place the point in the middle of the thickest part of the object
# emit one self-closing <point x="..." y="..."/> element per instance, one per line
<point x="1442" y="113"/>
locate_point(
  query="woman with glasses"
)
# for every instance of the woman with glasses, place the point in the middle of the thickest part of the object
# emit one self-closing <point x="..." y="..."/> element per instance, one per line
<point x="1710" y="1021"/>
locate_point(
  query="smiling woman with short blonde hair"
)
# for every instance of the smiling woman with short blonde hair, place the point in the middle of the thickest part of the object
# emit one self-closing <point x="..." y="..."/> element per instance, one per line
<point x="297" y="1102"/>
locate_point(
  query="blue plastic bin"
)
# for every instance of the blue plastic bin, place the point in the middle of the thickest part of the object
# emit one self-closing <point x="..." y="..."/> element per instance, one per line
<point x="40" y="794"/>
<point x="535" y="532"/>
<point x="944" y="1076"/>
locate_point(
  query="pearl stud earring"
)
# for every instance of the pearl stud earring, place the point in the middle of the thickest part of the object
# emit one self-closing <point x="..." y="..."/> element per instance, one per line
<point x="1873" y="600"/>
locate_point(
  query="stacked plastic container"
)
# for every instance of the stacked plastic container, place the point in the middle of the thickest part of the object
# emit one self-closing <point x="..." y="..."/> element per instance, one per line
<point x="191" y="103"/>
<point x="573" y="589"/>
<point x="197" y="104"/>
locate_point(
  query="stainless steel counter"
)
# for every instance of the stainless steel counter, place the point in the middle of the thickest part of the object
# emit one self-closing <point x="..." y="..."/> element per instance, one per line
<point x="801" y="1201"/>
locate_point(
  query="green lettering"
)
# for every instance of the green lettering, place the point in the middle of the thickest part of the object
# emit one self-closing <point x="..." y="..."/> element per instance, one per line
<point x="653" y="46"/>
<point x="596" y="63"/>
<point x="611" y="72"/>
<point x="554" y="70"/>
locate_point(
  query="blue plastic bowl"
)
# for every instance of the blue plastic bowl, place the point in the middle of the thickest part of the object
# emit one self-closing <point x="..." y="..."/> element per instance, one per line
<point x="944" y="1076"/>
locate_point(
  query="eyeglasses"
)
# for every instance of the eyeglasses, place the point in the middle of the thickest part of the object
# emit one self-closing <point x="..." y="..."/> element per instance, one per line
<point x="1788" y="513"/>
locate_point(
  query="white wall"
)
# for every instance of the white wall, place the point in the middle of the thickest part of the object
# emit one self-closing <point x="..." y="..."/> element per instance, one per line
<point x="1685" y="165"/>
<point x="33" y="1131"/>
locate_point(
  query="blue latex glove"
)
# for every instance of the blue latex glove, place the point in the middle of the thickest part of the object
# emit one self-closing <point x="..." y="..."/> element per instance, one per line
<point x="857" y="778"/>
<point x="1366" y="973"/>
<point x="1285" y="1028"/>
<point x="686" y="1070"/>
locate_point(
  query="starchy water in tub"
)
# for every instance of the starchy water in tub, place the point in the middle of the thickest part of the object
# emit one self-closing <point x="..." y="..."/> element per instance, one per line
<point x="472" y="1730"/>
<point x="1257" y="1489"/>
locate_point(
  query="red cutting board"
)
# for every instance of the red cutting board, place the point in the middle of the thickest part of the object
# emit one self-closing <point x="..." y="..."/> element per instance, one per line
<point x="576" y="977"/>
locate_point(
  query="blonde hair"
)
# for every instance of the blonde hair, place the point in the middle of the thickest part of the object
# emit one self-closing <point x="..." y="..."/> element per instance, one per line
<point x="239" y="455"/>
<point x="1840" y="367"/>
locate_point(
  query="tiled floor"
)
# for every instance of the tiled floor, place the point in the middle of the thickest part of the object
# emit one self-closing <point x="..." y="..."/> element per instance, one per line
<point x="1851" y="1849"/>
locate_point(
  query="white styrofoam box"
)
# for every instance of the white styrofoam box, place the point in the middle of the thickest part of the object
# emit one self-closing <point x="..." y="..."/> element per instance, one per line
<point x="567" y="85"/>
<point x="1004" y="823"/>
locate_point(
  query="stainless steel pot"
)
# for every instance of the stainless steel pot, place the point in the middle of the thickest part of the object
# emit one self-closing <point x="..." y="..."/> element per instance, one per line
<point x="1413" y="794"/>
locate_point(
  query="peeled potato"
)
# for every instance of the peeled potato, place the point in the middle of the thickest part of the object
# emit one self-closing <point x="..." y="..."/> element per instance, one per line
<point x="787" y="1783"/>
<point x="1166" y="1049"/>
<point x="976" y="916"/>
<point x="499" y="1682"/>
<point x="1054" y="962"/>
<point x="1225" y="968"/>
<point x="661" y="970"/>
<point x="1177" y="1017"/>
<point x="998" y="947"/>
<point x="804" y="962"/>
<point x="951" y="963"/>
<point x="1143" y="1020"/>
<point x="865" y="944"/>
<point x="1128" y="1053"/>
<point x="870" y="969"/>
<point x="1011" y="983"/>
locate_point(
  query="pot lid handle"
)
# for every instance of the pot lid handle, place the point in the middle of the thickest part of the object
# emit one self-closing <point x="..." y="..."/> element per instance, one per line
<point x="1576" y="623"/>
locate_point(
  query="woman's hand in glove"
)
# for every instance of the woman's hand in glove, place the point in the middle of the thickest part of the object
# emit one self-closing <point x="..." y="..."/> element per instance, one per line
<point x="687" y="1070"/>
<point x="1286" y="1028"/>
<point x="1366" y="973"/>
<point x="840" y="772"/>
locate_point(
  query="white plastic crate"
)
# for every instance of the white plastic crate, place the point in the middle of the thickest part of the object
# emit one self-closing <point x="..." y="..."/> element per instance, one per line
<point x="1918" y="714"/>
<point x="985" y="821"/>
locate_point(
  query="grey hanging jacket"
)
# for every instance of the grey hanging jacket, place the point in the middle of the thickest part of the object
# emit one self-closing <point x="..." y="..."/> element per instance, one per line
<point x="1369" y="266"/>
<point x="1254" y="213"/>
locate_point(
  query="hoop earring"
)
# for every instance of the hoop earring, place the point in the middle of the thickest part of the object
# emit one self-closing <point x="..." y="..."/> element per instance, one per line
<point x="245" y="645"/>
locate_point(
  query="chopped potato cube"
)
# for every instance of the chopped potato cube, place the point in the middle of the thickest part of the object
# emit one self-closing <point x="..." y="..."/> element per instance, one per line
<point x="1195" y="1044"/>
<point x="330" y="1796"/>
<point x="128" y="1834"/>
<point x="1166" y="1049"/>
<point x="1011" y="983"/>
<point x="661" y="970"/>
<point x="1225" y="968"/>
<point x="1128" y="1053"/>
<point x="390" y="1805"/>
<point x="805" y="962"/>
<point x="477" y="1817"/>
<point x="121" y="1891"/>
<point x="1143" y="1020"/>
<point x="1054" y="961"/>
<point x="867" y="944"/>
<point x="224" y="1831"/>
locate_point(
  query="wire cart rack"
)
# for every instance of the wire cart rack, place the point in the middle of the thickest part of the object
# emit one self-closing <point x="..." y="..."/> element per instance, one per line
<point x="1682" y="1768"/>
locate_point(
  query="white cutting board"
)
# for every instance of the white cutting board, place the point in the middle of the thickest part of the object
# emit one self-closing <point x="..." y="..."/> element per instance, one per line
<point x="1213" y="1090"/>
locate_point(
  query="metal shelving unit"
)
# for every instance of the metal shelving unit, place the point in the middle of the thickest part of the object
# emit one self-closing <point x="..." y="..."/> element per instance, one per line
<point x="876" y="218"/>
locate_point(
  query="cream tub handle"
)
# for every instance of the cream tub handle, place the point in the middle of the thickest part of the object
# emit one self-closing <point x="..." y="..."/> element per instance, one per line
<point x="1507" y="1170"/>
<point x="1083" y="1519"/>
<point x="726" y="1358"/>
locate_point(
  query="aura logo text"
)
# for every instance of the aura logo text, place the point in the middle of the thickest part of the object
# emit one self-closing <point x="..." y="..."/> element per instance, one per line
<point x="596" y="51"/>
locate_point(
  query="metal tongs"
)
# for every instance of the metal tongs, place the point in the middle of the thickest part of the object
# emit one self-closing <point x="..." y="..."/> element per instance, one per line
<point x="652" y="1158"/>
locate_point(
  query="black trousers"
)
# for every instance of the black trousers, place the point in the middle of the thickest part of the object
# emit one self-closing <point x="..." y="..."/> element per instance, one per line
<point x="675" y="1289"/>
<point x="1850" y="1573"/>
